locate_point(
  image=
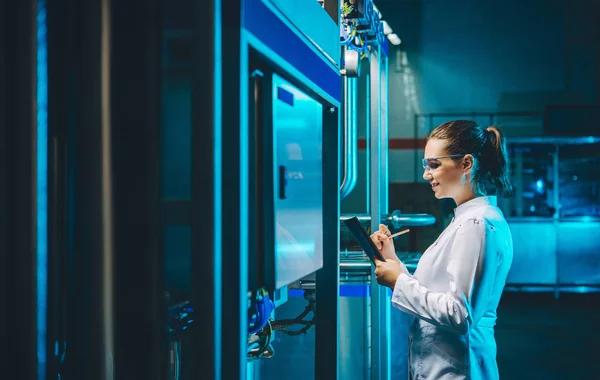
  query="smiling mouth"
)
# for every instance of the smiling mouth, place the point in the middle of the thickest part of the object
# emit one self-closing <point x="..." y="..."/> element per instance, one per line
<point x="434" y="185"/>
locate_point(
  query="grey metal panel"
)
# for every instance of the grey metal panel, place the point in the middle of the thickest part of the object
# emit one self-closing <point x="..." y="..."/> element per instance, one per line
<point x="534" y="259"/>
<point x="578" y="252"/>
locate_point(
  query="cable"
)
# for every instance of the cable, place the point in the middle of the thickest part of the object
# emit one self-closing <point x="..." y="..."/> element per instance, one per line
<point x="299" y="320"/>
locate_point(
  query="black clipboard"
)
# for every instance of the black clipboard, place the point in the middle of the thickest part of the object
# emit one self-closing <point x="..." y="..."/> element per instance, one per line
<point x="363" y="239"/>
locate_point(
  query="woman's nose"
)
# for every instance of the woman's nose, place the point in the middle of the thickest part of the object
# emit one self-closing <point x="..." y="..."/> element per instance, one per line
<point x="426" y="174"/>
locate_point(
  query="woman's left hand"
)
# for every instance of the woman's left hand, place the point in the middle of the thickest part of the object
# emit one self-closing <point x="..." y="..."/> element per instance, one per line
<point x="387" y="272"/>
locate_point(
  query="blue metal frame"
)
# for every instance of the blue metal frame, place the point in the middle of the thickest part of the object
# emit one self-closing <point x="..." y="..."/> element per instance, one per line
<point x="272" y="32"/>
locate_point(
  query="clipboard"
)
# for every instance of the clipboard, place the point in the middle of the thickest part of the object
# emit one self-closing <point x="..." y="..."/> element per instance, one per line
<point x="363" y="239"/>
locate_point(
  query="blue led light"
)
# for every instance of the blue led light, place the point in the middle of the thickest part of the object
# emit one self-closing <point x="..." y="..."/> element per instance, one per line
<point x="540" y="186"/>
<point x="42" y="186"/>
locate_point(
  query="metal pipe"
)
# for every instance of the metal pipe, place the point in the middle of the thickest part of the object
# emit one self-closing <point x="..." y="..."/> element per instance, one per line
<point x="350" y="145"/>
<point x="397" y="219"/>
<point x="473" y="114"/>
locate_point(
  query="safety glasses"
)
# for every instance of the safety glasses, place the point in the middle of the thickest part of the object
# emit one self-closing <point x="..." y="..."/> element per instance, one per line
<point x="431" y="164"/>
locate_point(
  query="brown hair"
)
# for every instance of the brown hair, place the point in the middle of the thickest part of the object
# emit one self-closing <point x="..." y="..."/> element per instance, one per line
<point x="491" y="169"/>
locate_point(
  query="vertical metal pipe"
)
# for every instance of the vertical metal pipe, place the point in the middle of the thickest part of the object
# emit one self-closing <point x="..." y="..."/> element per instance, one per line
<point x="368" y="149"/>
<point x="383" y="80"/>
<point x="379" y="299"/>
<point x="90" y="317"/>
<point x="106" y="196"/>
<point x="350" y="127"/>
<point x="416" y="148"/>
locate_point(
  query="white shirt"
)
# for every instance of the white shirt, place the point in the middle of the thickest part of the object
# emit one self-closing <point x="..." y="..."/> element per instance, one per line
<point x="454" y="293"/>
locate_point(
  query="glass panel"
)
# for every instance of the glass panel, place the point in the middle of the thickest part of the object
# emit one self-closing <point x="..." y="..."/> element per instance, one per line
<point x="298" y="123"/>
<point x="537" y="181"/>
<point x="532" y="180"/>
<point x="580" y="180"/>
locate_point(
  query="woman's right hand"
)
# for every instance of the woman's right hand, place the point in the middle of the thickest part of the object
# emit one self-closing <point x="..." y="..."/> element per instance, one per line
<point x="384" y="244"/>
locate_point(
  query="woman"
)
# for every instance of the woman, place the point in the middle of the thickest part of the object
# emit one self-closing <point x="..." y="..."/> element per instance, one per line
<point x="455" y="291"/>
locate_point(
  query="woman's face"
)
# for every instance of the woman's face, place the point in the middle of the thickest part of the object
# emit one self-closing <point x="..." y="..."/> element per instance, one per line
<point x="447" y="176"/>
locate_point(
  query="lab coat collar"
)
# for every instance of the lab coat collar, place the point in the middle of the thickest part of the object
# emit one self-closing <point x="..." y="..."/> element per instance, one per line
<point x="474" y="203"/>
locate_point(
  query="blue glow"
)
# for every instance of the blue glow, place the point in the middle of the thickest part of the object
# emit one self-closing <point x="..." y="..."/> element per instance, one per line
<point x="42" y="186"/>
<point x="217" y="190"/>
<point x="540" y="186"/>
<point x="347" y="290"/>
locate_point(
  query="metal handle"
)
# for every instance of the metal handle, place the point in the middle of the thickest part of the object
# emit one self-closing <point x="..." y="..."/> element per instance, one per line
<point x="282" y="182"/>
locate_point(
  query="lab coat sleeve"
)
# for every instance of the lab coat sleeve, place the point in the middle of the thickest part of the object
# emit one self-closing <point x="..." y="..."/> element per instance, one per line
<point x="470" y="277"/>
<point x="404" y="269"/>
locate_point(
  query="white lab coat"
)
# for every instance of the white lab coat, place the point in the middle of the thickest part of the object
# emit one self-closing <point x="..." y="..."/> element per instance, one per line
<point x="454" y="294"/>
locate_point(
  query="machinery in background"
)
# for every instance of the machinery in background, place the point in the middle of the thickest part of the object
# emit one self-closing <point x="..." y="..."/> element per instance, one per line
<point x="361" y="26"/>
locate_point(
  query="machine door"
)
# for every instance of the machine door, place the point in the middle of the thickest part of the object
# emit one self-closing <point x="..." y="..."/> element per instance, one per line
<point x="298" y="165"/>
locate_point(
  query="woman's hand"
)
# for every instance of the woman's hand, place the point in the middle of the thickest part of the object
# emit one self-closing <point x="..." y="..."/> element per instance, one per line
<point x="387" y="272"/>
<point x="384" y="244"/>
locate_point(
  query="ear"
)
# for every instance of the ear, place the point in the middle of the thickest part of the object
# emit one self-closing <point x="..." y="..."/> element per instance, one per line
<point x="467" y="163"/>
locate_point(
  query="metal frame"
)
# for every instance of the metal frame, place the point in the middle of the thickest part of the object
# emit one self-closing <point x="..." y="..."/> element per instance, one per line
<point x="233" y="109"/>
<point x="261" y="178"/>
<point x="327" y="334"/>
<point x="206" y="218"/>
